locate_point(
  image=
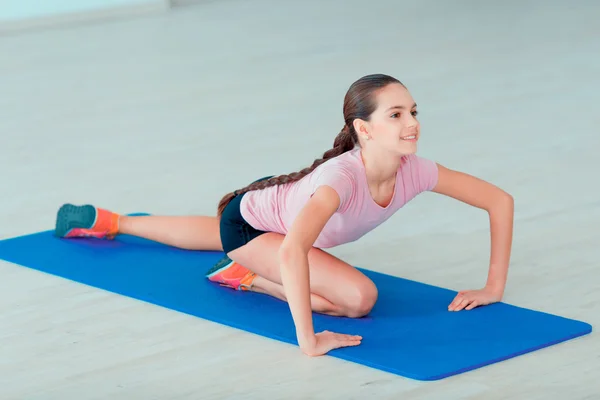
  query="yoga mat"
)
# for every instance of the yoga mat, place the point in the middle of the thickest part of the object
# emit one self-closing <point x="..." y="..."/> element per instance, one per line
<point x="409" y="332"/>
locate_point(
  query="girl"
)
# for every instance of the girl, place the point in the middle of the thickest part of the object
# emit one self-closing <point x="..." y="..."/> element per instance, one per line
<point x="273" y="230"/>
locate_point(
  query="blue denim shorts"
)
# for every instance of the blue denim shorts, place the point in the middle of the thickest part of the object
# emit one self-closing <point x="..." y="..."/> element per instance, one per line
<point x="235" y="230"/>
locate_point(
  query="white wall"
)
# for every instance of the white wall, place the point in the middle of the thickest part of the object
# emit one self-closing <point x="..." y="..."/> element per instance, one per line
<point x="20" y="14"/>
<point x="11" y="10"/>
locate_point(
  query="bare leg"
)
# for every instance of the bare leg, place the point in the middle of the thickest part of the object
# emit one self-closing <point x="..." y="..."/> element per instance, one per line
<point x="202" y="233"/>
<point x="319" y="304"/>
<point x="336" y="287"/>
<point x="186" y="232"/>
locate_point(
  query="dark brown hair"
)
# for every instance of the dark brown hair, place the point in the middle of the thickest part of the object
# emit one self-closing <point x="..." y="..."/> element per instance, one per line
<point x="359" y="103"/>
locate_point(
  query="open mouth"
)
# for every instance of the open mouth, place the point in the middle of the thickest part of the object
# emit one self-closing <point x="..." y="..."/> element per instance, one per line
<point x="411" y="138"/>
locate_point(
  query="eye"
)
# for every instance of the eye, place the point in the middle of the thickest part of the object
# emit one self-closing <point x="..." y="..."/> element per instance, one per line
<point x="415" y="113"/>
<point x="395" y="115"/>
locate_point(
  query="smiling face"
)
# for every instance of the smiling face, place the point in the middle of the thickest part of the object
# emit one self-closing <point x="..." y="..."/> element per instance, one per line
<point x="393" y="126"/>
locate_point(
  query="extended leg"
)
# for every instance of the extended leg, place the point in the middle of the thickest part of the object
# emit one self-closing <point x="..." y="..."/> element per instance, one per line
<point x="186" y="232"/>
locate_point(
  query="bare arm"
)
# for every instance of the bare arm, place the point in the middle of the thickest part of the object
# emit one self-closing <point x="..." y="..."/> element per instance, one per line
<point x="293" y="256"/>
<point x="500" y="208"/>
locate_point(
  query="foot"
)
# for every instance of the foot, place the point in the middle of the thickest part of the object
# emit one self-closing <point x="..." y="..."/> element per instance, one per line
<point x="86" y="221"/>
<point x="231" y="274"/>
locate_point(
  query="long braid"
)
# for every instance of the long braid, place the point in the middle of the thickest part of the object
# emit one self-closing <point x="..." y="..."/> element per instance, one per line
<point x="359" y="103"/>
<point x="344" y="141"/>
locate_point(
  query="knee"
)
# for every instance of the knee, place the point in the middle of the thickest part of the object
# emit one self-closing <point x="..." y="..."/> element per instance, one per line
<point x="362" y="300"/>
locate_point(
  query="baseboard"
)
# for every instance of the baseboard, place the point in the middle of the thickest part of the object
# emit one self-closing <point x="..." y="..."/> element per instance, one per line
<point x="77" y="18"/>
<point x="181" y="3"/>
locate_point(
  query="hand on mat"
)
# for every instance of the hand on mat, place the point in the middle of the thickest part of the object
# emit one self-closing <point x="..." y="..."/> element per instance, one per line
<point x="469" y="299"/>
<point x="327" y="341"/>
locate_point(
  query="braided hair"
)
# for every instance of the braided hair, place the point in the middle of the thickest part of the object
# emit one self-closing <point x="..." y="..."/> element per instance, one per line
<point x="359" y="103"/>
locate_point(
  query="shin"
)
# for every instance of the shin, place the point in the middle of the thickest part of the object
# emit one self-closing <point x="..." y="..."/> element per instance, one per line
<point x="186" y="232"/>
<point x="337" y="288"/>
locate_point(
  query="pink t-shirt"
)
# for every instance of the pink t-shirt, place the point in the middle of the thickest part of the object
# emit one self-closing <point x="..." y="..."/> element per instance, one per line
<point x="274" y="209"/>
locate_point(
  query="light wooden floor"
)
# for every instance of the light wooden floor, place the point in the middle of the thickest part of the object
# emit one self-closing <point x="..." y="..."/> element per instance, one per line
<point x="167" y="113"/>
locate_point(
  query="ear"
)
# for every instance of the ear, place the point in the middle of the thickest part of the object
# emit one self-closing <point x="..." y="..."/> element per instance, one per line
<point x="362" y="129"/>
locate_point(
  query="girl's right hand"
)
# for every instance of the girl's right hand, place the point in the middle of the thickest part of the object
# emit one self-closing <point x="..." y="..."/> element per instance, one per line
<point x="327" y="341"/>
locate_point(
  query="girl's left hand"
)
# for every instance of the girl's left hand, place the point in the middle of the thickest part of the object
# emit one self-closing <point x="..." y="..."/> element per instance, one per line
<point x="469" y="299"/>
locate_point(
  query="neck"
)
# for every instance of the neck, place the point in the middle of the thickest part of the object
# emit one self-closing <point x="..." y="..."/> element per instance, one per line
<point x="381" y="168"/>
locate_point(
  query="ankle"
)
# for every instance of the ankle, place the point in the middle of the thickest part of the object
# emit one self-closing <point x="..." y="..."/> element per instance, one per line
<point x="119" y="223"/>
<point x="265" y="286"/>
<point x="257" y="284"/>
<point x="124" y="224"/>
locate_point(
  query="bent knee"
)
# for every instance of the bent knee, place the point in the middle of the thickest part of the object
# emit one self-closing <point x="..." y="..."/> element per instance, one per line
<point x="362" y="300"/>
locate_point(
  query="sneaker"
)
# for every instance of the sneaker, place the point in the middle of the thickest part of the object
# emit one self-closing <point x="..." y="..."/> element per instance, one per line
<point x="86" y="221"/>
<point x="231" y="274"/>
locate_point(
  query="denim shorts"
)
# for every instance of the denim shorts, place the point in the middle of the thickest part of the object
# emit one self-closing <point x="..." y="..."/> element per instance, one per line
<point x="235" y="230"/>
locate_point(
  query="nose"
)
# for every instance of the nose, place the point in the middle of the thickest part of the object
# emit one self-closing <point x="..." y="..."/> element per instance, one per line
<point x="412" y="124"/>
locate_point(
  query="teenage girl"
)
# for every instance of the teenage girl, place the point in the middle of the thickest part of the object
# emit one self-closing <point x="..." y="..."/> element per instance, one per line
<point x="273" y="230"/>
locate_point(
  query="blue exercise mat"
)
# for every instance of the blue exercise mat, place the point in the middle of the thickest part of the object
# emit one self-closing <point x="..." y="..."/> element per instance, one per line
<point x="409" y="332"/>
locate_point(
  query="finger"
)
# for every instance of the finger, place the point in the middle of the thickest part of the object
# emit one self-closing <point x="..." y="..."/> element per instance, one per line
<point x="465" y="303"/>
<point x="353" y="337"/>
<point x="473" y="304"/>
<point x="462" y="304"/>
<point x="348" y="343"/>
<point x="454" y="302"/>
<point x="341" y="336"/>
